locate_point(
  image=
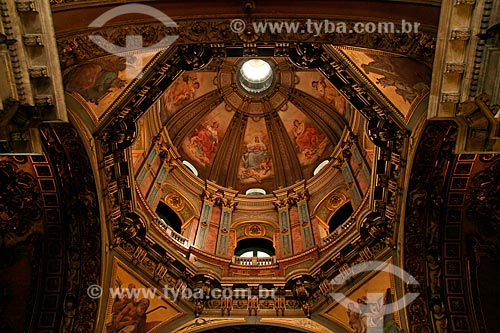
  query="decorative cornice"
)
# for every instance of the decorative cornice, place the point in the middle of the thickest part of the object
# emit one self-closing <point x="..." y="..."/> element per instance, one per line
<point x="83" y="257"/>
<point x="75" y="49"/>
<point x="424" y="200"/>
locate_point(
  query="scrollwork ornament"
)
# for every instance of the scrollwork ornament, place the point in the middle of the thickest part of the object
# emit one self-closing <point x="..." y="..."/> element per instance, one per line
<point x="484" y="196"/>
<point x="20" y="200"/>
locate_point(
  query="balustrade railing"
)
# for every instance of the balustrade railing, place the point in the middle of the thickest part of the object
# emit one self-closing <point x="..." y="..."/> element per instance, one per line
<point x="172" y="233"/>
<point x="254" y="261"/>
<point x="337" y="232"/>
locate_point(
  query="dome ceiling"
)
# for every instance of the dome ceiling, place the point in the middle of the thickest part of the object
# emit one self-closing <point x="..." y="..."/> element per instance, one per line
<point x="268" y="130"/>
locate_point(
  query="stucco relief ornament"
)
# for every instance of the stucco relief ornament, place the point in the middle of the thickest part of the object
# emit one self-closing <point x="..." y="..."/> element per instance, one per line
<point x="335" y="201"/>
<point x="20" y="203"/>
<point x="249" y="35"/>
<point x="254" y="230"/>
<point x="175" y="202"/>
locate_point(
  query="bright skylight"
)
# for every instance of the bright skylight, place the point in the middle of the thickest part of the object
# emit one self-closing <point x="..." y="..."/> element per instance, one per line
<point x="256" y="75"/>
<point x="256" y="70"/>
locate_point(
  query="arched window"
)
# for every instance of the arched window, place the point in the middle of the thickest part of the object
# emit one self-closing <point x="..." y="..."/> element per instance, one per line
<point x="169" y="216"/>
<point x="256" y="191"/>
<point x="190" y="167"/>
<point x="254" y="247"/>
<point x="340" y="216"/>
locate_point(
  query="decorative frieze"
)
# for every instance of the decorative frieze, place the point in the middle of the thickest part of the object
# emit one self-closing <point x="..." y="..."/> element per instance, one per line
<point x="455" y="67"/>
<point x="460" y="34"/>
<point x="450" y="97"/>
<point x="33" y="40"/>
<point x="26" y="6"/>
<point x="44" y="100"/>
<point x="465" y="2"/>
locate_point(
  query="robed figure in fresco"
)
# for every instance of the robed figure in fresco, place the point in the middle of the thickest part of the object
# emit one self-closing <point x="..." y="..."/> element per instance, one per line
<point x="256" y="160"/>
<point x="129" y="315"/>
<point x="204" y="141"/>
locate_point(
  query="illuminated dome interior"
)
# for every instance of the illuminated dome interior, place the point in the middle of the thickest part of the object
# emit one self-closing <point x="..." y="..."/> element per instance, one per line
<point x="247" y="164"/>
<point x="255" y="123"/>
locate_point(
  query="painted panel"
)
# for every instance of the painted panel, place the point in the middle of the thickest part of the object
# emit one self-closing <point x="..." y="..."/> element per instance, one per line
<point x="363" y="310"/>
<point x="286" y="245"/>
<point x="309" y="141"/>
<point x="346" y="172"/>
<point x="256" y="164"/>
<point x="100" y="82"/>
<point x="185" y="89"/>
<point x="402" y="80"/>
<point x="152" y="196"/>
<point x="138" y="313"/>
<point x="316" y="85"/>
<point x="202" y="143"/>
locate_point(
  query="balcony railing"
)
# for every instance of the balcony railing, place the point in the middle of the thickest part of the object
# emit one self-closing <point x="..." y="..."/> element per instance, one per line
<point x="337" y="232"/>
<point x="172" y="233"/>
<point x="254" y="261"/>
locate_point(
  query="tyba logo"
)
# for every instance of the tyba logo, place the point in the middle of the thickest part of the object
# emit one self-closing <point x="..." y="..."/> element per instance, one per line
<point x="134" y="49"/>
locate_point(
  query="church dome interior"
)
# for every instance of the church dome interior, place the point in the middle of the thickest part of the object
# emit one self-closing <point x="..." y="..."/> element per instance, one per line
<point x="249" y="166"/>
<point x="264" y="136"/>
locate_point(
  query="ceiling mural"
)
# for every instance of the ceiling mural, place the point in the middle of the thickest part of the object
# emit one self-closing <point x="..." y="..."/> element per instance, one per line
<point x="201" y="145"/>
<point x="402" y="80"/>
<point x="128" y="313"/>
<point x="240" y="136"/>
<point x="101" y="81"/>
<point x="256" y="165"/>
<point x="365" y="306"/>
<point x="185" y="89"/>
<point x="308" y="140"/>
<point x="230" y="148"/>
<point x="313" y="83"/>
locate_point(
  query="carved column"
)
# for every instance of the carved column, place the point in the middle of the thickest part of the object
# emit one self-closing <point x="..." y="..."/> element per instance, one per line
<point x="160" y="174"/>
<point x="224" y="225"/>
<point x="284" y="227"/>
<point x="206" y="214"/>
<point x="353" y="184"/>
<point x="305" y="221"/>
<point x="365" y="170"/>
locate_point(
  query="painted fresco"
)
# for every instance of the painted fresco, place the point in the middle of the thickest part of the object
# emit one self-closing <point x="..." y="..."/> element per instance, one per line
<point x="135" y="314"/>
<point x="185" y="89"/>
<point x="256" y="164"/>
<point x="363" y="309"/>
<point x="100" y="82"/>
<point x="316" y="85"/>
<point x="309" y="141"/>
<point x="402" y="80"/>
<point x="202" y="143"/>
